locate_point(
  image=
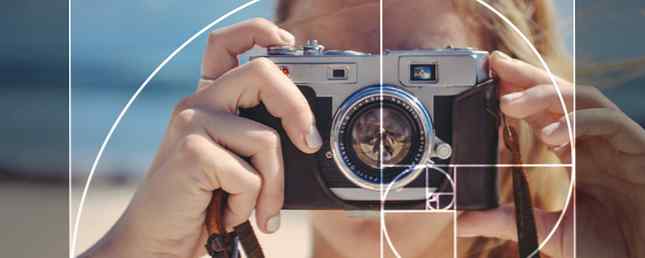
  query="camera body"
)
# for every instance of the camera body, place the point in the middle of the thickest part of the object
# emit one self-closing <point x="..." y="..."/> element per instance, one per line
<point x="411" y="129"/>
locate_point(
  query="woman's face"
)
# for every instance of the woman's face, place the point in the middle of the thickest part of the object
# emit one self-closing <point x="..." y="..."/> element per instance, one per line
<point x="355" y="25"/>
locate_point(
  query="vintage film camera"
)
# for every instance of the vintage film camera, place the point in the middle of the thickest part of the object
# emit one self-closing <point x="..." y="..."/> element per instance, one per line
<point x="435" y="107"/>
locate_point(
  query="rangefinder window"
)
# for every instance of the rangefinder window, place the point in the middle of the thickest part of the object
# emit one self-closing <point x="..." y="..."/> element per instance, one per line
<point x="423" y="72"/>
<point x="338" y="72"/>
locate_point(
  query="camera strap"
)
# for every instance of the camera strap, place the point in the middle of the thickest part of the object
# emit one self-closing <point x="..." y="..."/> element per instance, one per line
<point x="525" y="221"/>
<point x="223" y="244"/>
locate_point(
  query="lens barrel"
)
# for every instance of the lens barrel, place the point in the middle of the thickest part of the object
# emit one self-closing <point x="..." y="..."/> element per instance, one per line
<point x="381" y="135"/>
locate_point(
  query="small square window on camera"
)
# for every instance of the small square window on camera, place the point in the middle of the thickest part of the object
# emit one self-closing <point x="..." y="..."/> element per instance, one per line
<point x="423" y="72"/>
<point x="338" y="73"/>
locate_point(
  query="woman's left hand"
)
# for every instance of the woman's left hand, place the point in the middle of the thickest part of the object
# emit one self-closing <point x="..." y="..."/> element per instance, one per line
<point x="610" y="166"/>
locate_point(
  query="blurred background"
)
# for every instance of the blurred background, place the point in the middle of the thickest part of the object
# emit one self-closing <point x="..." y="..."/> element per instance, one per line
<point x="117" y="44"/>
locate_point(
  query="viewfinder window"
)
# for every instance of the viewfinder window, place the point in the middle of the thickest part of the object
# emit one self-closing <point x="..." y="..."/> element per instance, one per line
<point x="423" y="72"/>
<point x="339" y="73"/>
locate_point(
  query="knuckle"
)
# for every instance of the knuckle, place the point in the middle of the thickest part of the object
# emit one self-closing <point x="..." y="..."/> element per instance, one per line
<point x="270" y="138"/>
<point x="255" y="185"/>
<point x="546" y="91"/>
<point x="262" y="64"/>
<point x="265" y="70"/>
<point x="592" y="92"/>
<point x="300" y="108"/>
<point x="192" y="147"/>
<point x="184" y="119"/>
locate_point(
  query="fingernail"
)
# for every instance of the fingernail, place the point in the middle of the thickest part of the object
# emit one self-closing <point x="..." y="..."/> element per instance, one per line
<point x="286" y="36"/>
<point x="550" y="129"/>
<point x="313" y="138"/>
<point x="508" y="98"/>
<point x="273" y="224"/>
<point x="503" y="55"/>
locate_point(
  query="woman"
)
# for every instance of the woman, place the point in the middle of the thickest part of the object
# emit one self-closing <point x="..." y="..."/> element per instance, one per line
<point x="205" y="140"/>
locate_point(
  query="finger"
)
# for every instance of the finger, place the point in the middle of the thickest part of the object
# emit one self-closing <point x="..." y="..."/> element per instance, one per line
<point x="215" y="167"/>
<point x="200" y="251"/>
<point x="517" y="75"/>
<point x="544" y="99"/>
<point x="261" y="144"/>
<point x="500" y="223"/>
<point x="261" y="81"/>
<point x="535" y="100"/>
<point x="226" y="44"/>
<point x="622" y="133"/>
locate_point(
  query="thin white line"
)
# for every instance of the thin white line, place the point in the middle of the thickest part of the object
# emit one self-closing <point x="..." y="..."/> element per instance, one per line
<point x="130" y="101"/>
<point x="562" y="103"/>
<point x="485" y="165"/>
<point x="69" y="127"/>
<point x="419" y="211"/>
<point x="382" y="231"/>
<point x="573" y="144"/>
<point x="454" y="208"/>
<point x="427" y="192"/>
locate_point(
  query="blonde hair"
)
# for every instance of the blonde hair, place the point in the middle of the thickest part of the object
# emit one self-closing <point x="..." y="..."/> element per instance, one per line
<point x="536" y="19"/>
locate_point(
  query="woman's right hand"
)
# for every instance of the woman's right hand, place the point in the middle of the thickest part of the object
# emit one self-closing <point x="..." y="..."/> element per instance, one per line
<point x="206" y="146"/>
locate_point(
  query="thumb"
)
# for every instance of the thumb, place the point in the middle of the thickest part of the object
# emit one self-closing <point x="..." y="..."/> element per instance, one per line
<point x="500" y="223"/>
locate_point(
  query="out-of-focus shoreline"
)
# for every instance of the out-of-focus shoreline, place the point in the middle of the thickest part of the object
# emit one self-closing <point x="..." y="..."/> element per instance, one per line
<point x="106" y="202"/>
<point x="45" y="204"/>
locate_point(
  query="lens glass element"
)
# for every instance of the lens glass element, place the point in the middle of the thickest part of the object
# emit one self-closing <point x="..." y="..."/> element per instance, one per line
<point x="395" y="135"/>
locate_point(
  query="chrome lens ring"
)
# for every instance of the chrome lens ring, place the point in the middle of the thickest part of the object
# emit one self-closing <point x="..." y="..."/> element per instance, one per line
<point x="352" y="107"/>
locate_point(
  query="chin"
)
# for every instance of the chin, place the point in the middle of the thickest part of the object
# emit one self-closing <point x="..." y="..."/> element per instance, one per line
<point x="348" y="234"/>
<point x="359" y="236"/>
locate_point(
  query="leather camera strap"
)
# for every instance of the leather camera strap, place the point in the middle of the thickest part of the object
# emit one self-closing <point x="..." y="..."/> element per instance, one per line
<point x="222" y="244"/>
<point x="525" y="222"/>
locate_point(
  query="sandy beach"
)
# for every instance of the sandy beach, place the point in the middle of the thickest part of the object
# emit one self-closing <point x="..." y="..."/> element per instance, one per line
<point x="33" y="219"/>
<point x="104" y="205"/>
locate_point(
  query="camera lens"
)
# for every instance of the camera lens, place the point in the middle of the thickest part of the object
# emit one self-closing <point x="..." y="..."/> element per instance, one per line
<point x="378" y="143"/>
<point x="380" y="135"/>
